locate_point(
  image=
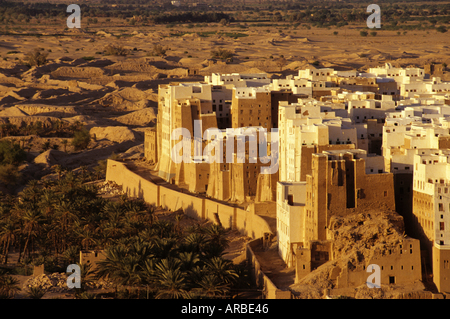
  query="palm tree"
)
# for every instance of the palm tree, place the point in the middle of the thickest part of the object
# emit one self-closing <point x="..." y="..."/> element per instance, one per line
<point x="32" y="220"/>
<point x="8" y="287"/>
<point x="58" y="170"/>
<point x="36" y="292"/>
<point x="195" y="242"/>
<point x="129" y="273"/>
<point x="111" y="267"/>
<point x="66" y="213"/>
<point x="217" y="235"/>
<point x="86" y="295"/>
<point x="87" y="237"/>
<point x="47" y="202"/>
<point x="86" y="275"/>
<point x="148" y="274"/>
<point x="71" y="254"/>
<point x="171" y="280"/>
<point x="222" y="268"/>
<point x="70" y="181"/>
<point x="112" y="228"/>
<point x="211" y="286"/>
<point x="164" y="229"/>
<point x="163" y="247"/>
<point x="7" y="237"/>
<point x="31" y="191"/>
<point x="188" y="260"/>
<point x="53" y="234"/>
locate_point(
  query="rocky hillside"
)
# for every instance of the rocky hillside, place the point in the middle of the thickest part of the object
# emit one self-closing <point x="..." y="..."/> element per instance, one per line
<point x="356" y="238"/>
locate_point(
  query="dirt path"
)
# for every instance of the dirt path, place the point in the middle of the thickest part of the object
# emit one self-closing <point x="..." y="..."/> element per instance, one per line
<point x="274" y="267"/>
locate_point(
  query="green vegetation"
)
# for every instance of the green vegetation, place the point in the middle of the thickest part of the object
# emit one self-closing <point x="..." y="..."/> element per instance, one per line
<point x="174" y="264"/>
<point x="51" y="221"/>
<point x="11" y="153"/>
<point x="158" y="50"/>
<point x="36" y="292"/>
<point x="235" y="35"/>
<point x="81" y="139"/>
<point x="363" y="33"/>
<point x="112" y="49"/>
<point x="222" y="54"/>
<point x="410" y="15"/>
<point x="9" y="174"/>
<point x="8" y="286"/>
<point x="35" y="58"/>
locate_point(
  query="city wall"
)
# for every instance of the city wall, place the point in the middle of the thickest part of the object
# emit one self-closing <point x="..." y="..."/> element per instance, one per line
<point x="246" y="221"/>
<point x="270" y="291"/>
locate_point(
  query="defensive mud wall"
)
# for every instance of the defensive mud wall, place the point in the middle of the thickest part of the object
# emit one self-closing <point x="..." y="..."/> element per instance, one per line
<point x="269" y="290"/>
<point x="134" y="185"/>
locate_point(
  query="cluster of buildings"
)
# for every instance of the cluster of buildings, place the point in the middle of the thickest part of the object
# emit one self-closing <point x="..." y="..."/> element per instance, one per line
<point x="320" y="144"/>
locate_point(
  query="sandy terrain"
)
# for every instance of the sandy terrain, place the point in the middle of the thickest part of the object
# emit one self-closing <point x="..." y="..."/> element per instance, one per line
<point x="115" y="97"/>
<point x="186" y="48"/>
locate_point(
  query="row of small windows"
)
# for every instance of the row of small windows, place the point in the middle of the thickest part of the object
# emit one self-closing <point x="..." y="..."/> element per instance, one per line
<point x="296" y="85"/>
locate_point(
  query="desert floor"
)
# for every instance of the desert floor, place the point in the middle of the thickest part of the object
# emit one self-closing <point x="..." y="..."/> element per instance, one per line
<point x="253" y="47"/>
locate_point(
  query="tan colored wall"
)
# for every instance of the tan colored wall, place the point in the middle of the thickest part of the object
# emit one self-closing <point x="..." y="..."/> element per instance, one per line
<point x="403" y="263"/>
<point x="341" y="187"/>
<point x="38" y="270"/>
<point x="247" y="222"/>
<point x="225" y="213"/>
<point x="267" y="187"/>
<point x="441" y="269"/>
<point x="388" y="87"/>
<point x="377" y="188"/>
<point x="276" y="97"/>
<point x="132" y="184"/>
<point x="150" y="145"/>
<point x="255" y="112"/>
<point x="270" y="291"/>
<point x="302" y="263"/>
<point x="444" y="142"/>
<point x="308" y="150"/>
<point x="423" y="217"/>
<point x="196" y="175"/>
<point x="219" y="181"/>
<point x="173" y="200"/>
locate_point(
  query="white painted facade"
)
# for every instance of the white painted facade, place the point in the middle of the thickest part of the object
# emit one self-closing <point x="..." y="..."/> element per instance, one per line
<point x="291" y="199"/>
<point x="432" y="177"/>
<point x="238" y="79"/>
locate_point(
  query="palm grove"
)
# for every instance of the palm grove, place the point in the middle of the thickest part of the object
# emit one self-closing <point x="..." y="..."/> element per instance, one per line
<point x="49" y="222"/>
